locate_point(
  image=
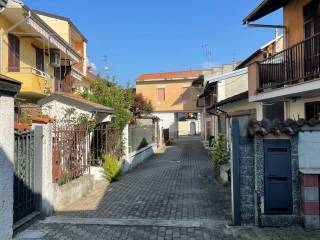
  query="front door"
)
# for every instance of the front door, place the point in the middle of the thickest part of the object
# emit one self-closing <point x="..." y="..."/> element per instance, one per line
<point x="192" y="128"/>
<point x="278" y="177"/>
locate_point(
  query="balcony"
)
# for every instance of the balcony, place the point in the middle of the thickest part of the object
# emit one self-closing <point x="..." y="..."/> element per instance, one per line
<point x="294" y="66"/>
<point x="35" y="83"/>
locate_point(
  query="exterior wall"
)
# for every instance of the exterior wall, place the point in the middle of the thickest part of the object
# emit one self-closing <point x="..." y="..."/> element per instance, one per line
<point x="6" y="166"/>
<point x="244" y="105"/>
<point x="184" y="127"/>
<point x="58" y="25"/>
<point x="57" y="110"/>
<point x="296" y="109"/>
<point x="173" y="95"/>
<point x="232" y="86"/>
<point x="168" y="120"/>
<point x="30" y="81"/>
<point x="293" y="20"/>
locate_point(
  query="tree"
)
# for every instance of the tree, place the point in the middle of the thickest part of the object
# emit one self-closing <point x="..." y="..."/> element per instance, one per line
<point x="141" y="106"/>
<point x="107" y="92"/>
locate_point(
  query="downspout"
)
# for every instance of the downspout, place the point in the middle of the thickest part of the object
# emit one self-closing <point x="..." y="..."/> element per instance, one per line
<point x="6" y="32"/>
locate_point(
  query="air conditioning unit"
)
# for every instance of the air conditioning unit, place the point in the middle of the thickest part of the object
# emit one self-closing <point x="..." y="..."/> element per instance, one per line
<point x="3" y="3"/>
<point x="55" y="58"/>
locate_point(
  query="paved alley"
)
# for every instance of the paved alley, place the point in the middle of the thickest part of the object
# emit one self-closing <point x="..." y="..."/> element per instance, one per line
<point x="170" y="196"/>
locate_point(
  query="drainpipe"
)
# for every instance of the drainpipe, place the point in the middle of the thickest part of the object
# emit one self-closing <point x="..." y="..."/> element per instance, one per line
<point x="6" y="32"/>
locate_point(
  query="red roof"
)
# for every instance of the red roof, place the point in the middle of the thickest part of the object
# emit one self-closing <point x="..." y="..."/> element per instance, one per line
<point x="171" y="75"/>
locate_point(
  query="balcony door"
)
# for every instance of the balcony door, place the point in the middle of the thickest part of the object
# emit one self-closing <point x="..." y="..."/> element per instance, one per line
<point x="311" y="15"/>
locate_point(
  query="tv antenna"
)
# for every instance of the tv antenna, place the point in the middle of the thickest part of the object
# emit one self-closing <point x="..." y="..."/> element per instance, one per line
<point x="208" y="52"/>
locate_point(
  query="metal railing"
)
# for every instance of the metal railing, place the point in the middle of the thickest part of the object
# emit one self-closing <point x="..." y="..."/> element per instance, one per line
<point x="300" y="62"/>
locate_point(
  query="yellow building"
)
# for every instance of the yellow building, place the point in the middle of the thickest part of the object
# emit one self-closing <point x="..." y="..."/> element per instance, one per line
<point x="74" y="77"/>
<point x="173" y="95"/>
<point x="32" y="52"/>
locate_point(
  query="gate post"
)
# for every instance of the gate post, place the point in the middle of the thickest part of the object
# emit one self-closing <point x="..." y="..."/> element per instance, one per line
<point x="43" y="163"/>
<point x="38" y="153"/>
<point x="235" y="171"/>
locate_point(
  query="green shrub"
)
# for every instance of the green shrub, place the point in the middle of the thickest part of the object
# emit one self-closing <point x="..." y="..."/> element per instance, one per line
<point x="220" y="153"/>
<point x="111" y="167"/>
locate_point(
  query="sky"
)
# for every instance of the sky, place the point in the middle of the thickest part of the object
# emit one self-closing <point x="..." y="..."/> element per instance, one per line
<point x="149" y="36"/>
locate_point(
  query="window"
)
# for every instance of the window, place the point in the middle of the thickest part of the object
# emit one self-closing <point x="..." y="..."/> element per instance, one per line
<point x="312" y="110"/>
<point x="39" y="59"/>
<point x="161" y="94"/>
<point x="14" y="53"/>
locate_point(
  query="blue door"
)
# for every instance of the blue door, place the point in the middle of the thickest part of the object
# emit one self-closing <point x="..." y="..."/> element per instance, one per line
<point x="278" y="177"/>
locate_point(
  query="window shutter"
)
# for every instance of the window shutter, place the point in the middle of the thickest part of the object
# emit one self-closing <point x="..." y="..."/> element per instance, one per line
<point x="161" y="94"/>
<point x="14" y="53"/>
<point x="39" y="59"/>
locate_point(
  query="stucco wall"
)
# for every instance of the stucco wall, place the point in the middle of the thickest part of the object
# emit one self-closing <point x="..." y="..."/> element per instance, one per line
<point x="58" y="25"/>
<point x="185" y="127"/>
<point x="293" y="20"/>
<point x="232" y="86"/>
<point x="168" y="120"/>
<point x="27" y="59"/>
<point x="244" y="105"/>
<point x="6" y="166"/>
<point x="173" y="95"/>
<point x="57" y="110"/>
<point x="296" y="109"/>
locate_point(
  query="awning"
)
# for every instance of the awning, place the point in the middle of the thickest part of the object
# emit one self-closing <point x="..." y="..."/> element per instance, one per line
<point x="33" y="25"/>
<point x="263" y="9"/>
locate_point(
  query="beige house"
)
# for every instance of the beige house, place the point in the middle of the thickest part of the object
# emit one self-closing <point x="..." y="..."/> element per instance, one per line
<point x="173" y="95"/>
<point x="226" y="95"/>
<point x="291" y="76"/>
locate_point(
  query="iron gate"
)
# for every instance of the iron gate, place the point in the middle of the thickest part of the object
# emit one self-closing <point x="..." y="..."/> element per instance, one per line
<point x="278" y="180"/>
<point x="24" y="175"/>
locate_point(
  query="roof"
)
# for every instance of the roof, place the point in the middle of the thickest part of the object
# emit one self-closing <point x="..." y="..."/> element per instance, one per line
<point x="289" y="127"/>
<point x="263" y="9"/>
<point x="256" y="53"/>
<point x="179" y="75"/>
<point x="238" y="97"/>
<point x="77" y="100"/>
<point x="225" y="76"/>
<point x="9" y="85"/>
<point x="61" y="18"/>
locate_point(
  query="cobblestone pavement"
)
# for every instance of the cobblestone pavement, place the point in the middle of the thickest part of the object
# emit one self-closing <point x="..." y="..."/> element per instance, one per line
<point x="170" y="196"/>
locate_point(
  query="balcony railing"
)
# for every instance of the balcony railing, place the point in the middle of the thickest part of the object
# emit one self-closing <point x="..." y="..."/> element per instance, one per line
<point x="299" y="63"/>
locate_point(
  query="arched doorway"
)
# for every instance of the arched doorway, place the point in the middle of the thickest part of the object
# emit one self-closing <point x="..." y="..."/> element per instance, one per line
<point x="193" y="129"/>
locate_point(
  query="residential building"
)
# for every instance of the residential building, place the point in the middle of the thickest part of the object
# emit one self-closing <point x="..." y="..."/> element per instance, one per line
<point x="173" y="95"/>
<point x="31" y="51"/>
<point x="207" y="99"/>
<point x="227" y="94"/>
<point x="72" y="75"/>
<point x="291" y="76"/>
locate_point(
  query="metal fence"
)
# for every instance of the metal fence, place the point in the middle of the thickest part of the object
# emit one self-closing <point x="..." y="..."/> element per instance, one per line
<point x="141" y="136"/>
<point x="71" y="152"/>
<point x="106" y="139"/>
<point x="24" y="175"/>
